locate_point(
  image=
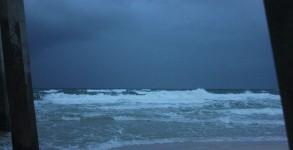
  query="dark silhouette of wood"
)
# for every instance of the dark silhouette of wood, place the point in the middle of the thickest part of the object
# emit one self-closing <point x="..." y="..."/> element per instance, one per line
<point x="4" y="112"/>
<point x="18" y="76"/>
<point x="280" y="21"/>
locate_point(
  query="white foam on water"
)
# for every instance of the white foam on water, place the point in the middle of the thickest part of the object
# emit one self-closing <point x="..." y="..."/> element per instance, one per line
<point x="117" y="143"/>
<point x="229" y="120"/>
<point x="91" y="115"/>
<point x="171" y="117"/>
<point x="142" y="91"/>
<point x="243" y="96"/>
<point x="264" y="122"/>
<point x="127" y="118"/>
<point x="106" y="90"/>
<point x="70" y="118"/>
<point x="51" y="91"/>
<point x="118" y="90"/>
<point x="155" y="97"/>
<point x="264" y="111"/>
<point x="99" y="90"/>
<point x="5" y="141"/>
<point x="117" y="117"/>
<point x="139" y="106"/>
<point x="6" y="147"/>
<point x="122" y="107"/>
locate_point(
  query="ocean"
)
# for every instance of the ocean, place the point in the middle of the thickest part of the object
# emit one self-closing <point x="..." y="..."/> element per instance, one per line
<point x="107" y="118"/>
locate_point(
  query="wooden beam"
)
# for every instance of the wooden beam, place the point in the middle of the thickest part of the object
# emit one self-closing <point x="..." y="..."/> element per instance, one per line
<point x="4" y="112"/>
<point x="280" y="21"/>
<point x="18" y="76"/>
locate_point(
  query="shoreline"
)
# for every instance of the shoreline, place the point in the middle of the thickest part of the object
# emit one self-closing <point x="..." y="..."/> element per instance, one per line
<point x="223" y="145"/>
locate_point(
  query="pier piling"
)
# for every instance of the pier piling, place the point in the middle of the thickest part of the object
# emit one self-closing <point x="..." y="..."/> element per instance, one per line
<point x="280" y="21"/>
<point x="17" y="75"/>
<point x="4" y="112"/>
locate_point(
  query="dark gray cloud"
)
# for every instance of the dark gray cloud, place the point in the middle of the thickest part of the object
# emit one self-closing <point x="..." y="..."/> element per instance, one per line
<point x="149" y="44"/>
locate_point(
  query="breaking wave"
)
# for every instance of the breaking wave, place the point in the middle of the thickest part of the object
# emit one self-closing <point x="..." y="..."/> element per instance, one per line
<point x="149" y="97"/>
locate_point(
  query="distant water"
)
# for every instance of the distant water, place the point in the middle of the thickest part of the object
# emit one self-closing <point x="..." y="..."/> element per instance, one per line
<point x="103" y="119"/>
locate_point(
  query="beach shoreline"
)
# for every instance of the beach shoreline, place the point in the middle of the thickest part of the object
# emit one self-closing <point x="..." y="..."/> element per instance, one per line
<point x="223" y="145"/>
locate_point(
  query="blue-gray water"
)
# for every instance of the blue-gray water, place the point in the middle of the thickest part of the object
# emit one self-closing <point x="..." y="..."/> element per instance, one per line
<point x="102" y="119"/>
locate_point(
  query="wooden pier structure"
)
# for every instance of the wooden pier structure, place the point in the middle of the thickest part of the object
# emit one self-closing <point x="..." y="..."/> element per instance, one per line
<point x="280" y="21"/>
<point x="16" y="85"/>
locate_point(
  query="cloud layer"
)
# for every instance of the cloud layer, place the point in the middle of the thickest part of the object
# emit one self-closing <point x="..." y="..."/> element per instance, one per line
<point x="149" y="44"/>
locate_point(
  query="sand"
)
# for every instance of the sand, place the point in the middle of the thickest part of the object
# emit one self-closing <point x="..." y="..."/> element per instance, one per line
<point x="263" y="145"/>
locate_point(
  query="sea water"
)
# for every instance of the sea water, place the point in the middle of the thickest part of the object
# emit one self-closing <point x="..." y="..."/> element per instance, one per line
<point x="105" y="118"/>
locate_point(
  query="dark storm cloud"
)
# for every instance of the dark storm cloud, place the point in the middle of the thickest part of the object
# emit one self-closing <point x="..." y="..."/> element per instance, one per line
<point x="56" y="22"/>
<point x="149" y="44"/>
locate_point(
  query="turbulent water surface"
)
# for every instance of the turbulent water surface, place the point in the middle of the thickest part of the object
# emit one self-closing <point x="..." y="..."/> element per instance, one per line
<point x="103" y="119"/>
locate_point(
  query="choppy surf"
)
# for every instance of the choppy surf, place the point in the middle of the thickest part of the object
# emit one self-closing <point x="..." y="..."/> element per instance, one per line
<point x="107" y="118"/>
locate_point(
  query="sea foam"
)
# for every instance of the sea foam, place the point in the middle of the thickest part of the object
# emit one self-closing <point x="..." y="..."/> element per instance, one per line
<point x="152" y="97"/>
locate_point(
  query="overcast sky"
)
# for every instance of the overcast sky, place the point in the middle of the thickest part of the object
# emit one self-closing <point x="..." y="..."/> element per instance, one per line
<point x="149" y="44"/>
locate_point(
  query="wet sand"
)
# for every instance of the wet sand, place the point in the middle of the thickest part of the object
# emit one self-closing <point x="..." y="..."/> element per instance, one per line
<point x="259" y="145"/>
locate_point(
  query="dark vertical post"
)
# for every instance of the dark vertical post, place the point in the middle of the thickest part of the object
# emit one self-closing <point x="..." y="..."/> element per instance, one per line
<point x="280" y="21"/>
<point x="17" y="73"/>
<point x="4" y="113"/>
